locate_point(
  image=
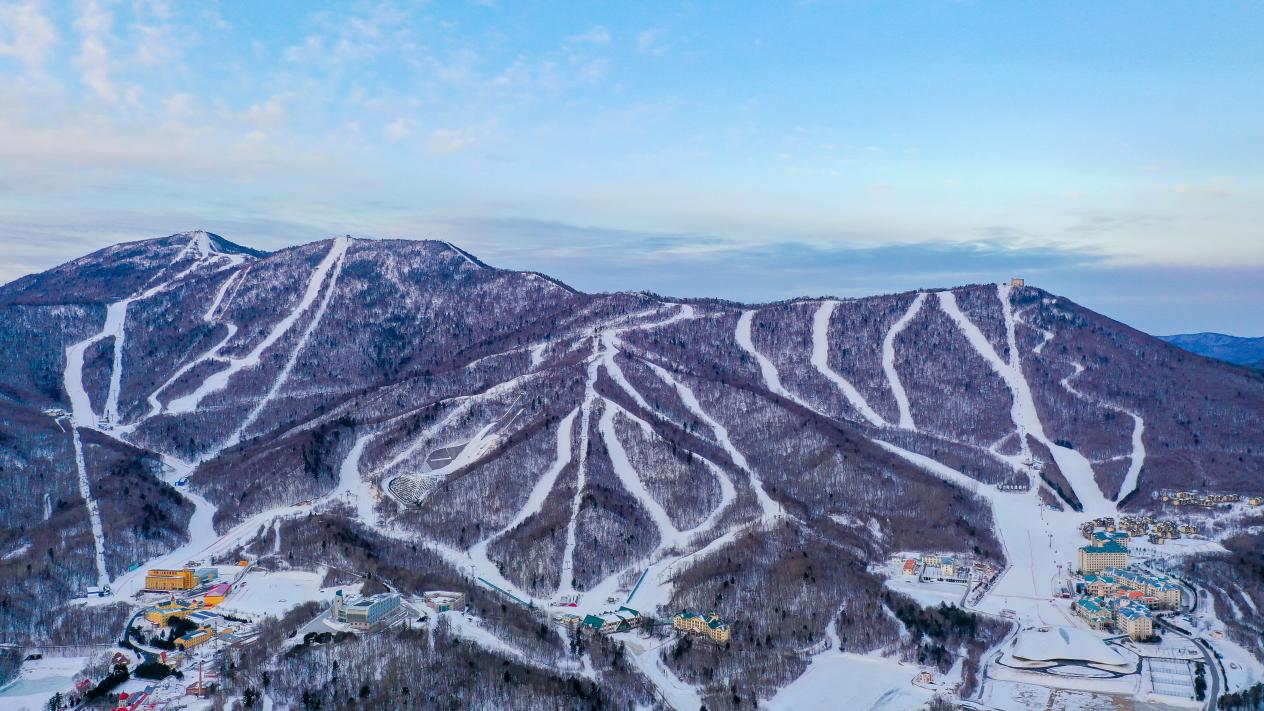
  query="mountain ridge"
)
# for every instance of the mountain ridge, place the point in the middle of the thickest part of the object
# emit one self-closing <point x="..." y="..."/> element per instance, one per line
<point x="512" y="429"/>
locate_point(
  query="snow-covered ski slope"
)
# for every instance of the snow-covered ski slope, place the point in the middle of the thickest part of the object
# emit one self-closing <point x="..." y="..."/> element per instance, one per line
<point x="219" y="380"/>
<point x="1074" y="466"/>
<point x="820" y="361"/>
<point x="1036" y="539"/>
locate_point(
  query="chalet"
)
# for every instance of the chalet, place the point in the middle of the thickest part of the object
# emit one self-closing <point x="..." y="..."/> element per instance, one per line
<point x="620" y="620"/>
<point x="709" y="624"/>
<point x="910" y="567"/>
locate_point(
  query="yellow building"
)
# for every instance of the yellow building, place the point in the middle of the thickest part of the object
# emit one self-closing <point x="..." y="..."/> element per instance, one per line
<point x="198" y="636"/>
<point x="1135" y="622"/>
<point x="162" y="612"/>
<point x="709" y="624"/>
<point x="158" y="579"/>
<point x="1107" y="555"/>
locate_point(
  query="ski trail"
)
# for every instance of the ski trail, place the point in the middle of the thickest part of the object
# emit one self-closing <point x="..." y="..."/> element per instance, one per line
<point x="219" y="380"/>
<point x="219" y="296"/>
<point x="567" y="584"/>
<point x="687" y="396"/>
<point x="352" y="487"/>
<point x="155" y="405"/>
<point x="1138" y="454"/>
<point x="94" y="514"/>
<point x="611" y="346"/>
<point x="624" y="468"/>
<point x="609" y="349"/>
<point x="888" y="362"/>
<point x="537" y="354"/>
<point x="466" y="402"/>
<point x="542" y="488"/>
<point x="116" y="318"/>
<point x="772" y="379"/>
<point x="539" y="492"/>
<point x="284" y="375"/>
<point x="1074" y="466"/>
<point x="1046" y="334"/>
<point x="820" y="360"/>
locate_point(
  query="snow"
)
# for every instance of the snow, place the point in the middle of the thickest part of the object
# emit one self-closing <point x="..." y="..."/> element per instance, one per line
<point x="537" y="354"/>
<point x="353" y="487"/>
<point x="839" y="680"/>
<point x="477" y="445"/>
<point x="1138" y="454"/>
<point x="1076" y="469"/>
<point x="888" y="362"/>
<point x="690" y="400"/>
<point x="39" y="679"/>
<point x="94" y="514"/>
<point x="772" y="379"/>
<point x="219" y="380"/>
<point x="567" y="584"/>
<point x="1046" y="644"/>
<point x="647" y="655"/>
<point x="628" y="476"/>
<point x="540" y="492"/>
<point x="284" y="375"/>
<point x="820" y="360"/>
<point x="259" y="593"/>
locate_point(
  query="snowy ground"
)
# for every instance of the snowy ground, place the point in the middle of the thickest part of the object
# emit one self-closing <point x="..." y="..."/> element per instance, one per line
<point x="260" y="593"/>
<point x="838" y="680"/>
<point x="38" y="680"/>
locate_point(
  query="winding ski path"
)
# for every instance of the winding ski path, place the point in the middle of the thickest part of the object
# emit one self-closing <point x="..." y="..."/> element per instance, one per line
<point x="820" y="361"/>
<point x="219" y="380"/>
<point x="888" y="362"/>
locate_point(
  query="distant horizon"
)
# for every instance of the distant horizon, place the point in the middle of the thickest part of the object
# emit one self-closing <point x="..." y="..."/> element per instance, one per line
<point x="1110" y="151"/>
<point x="5" y="278"/>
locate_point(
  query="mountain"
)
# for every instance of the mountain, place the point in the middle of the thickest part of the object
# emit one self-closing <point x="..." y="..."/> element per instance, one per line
<point x="1230" y="349"/>
<point x="400" y="415"/>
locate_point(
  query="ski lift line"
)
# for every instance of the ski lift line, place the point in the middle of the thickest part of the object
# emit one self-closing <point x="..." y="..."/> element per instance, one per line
<point x="637" y="586"/>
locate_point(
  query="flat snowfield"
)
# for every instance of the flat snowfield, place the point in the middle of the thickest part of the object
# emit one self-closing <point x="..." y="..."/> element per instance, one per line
<point x="274" y="593"/>
<point x="38" y="680"/>
<point x="851" y="681"/>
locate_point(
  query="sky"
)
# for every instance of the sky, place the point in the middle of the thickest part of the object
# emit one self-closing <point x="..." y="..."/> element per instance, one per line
<point x="1109" y="152"/>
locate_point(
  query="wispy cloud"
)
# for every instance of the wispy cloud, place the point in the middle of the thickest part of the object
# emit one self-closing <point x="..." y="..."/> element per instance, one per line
<point x="597" y="35"/>
<point x="94" y="24"/>
<point x="26" y="33"/>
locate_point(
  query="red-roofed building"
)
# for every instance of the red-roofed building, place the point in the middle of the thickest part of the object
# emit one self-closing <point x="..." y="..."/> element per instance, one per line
<point x="216" y="594"/>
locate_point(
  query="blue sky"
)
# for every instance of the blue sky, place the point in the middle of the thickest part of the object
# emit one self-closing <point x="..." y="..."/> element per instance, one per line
<point x="1110" y="152"/>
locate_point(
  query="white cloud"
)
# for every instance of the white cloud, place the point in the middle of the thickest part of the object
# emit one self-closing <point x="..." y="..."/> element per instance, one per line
<point x="597" y="34"/>
<point x="94" y="24"/>
<point x="268" y="113"/>
<point x="651" y="41"/>
<point x="398" y="130"/>
<point x="25" y="33"/>
<point x="451" y="140"/>
<point x="180" y="105"/>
